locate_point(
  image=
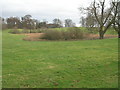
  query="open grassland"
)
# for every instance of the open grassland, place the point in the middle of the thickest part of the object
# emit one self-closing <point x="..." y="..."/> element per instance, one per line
<point x="59" y="64"/>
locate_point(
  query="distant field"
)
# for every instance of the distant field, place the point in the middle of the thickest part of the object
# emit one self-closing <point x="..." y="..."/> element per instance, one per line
<point x="109" y="31"/>
<point x="59" y="64"/>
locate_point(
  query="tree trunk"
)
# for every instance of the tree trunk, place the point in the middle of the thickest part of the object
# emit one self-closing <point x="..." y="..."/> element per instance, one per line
<point x="30" y="30"/>
<point x="101" y="32"/>
<point x="101" y="35"/>
<point x="118" y="34"/>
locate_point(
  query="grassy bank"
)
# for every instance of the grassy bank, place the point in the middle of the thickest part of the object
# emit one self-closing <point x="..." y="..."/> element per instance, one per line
<point x="59" y="64"/>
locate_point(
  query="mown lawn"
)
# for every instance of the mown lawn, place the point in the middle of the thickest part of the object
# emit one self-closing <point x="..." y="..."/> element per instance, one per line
<point x="59" y="64"/>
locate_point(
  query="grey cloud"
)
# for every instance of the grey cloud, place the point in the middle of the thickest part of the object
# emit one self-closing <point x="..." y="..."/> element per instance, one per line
<point x="43" y="9"/>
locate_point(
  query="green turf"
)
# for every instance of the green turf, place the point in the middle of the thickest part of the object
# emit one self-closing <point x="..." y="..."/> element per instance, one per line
<point x="59" y="64"/>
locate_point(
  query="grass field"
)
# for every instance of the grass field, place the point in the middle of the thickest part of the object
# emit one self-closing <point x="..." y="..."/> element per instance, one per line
<point x="59" y="64"/>
<point x="109" y="31"/>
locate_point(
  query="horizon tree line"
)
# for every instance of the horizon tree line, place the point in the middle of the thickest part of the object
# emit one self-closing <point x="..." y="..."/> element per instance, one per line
<point x="27" y="22"/>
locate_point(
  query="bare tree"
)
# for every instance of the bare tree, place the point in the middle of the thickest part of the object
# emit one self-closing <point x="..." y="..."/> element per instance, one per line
<point x="83" y="21"/>
<point x="69" y="23"/>
<point x="104" y="19"/>
<point x="57" y="22"/>
<point x="116" y="23"/>
<point x="36" y="24"/>
<point x="3" y="25"/>
<point x="42" y="24"/>
<point x="13" y="22"/>
<point x="88" y="19"/>
<point x="28" y="22"/>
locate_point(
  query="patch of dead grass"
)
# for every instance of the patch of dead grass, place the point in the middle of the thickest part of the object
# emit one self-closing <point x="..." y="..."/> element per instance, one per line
<point x="38" y="36"/>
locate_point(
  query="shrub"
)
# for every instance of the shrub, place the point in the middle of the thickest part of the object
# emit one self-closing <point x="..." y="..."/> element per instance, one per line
<point x="38" y="31"/>
<point x="71" y="33"/>
<point x="75" y="33"/>
<point x="31" y="31"/>
<point x="93" y="30"/>
<point x="25" y="31"/>
<point x="52" y="35"/>
<point x="14" y="31"/>
<point x="41" y="30"/>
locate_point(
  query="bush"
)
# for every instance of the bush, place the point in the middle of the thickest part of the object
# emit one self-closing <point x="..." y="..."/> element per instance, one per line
<point x="14" y="31"/>
<point x="25" y="31"/>
<point x="38" y="31"/>
<point x="70" y="34"/>
<point x="41" y="30"/>
<point x="52" y="35"/>
<point x="74" y="33"/>
<point x="93" y="30"/>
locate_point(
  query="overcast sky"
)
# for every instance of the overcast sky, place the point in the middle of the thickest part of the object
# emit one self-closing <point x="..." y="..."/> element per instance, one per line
<point x="44" y="9"/>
